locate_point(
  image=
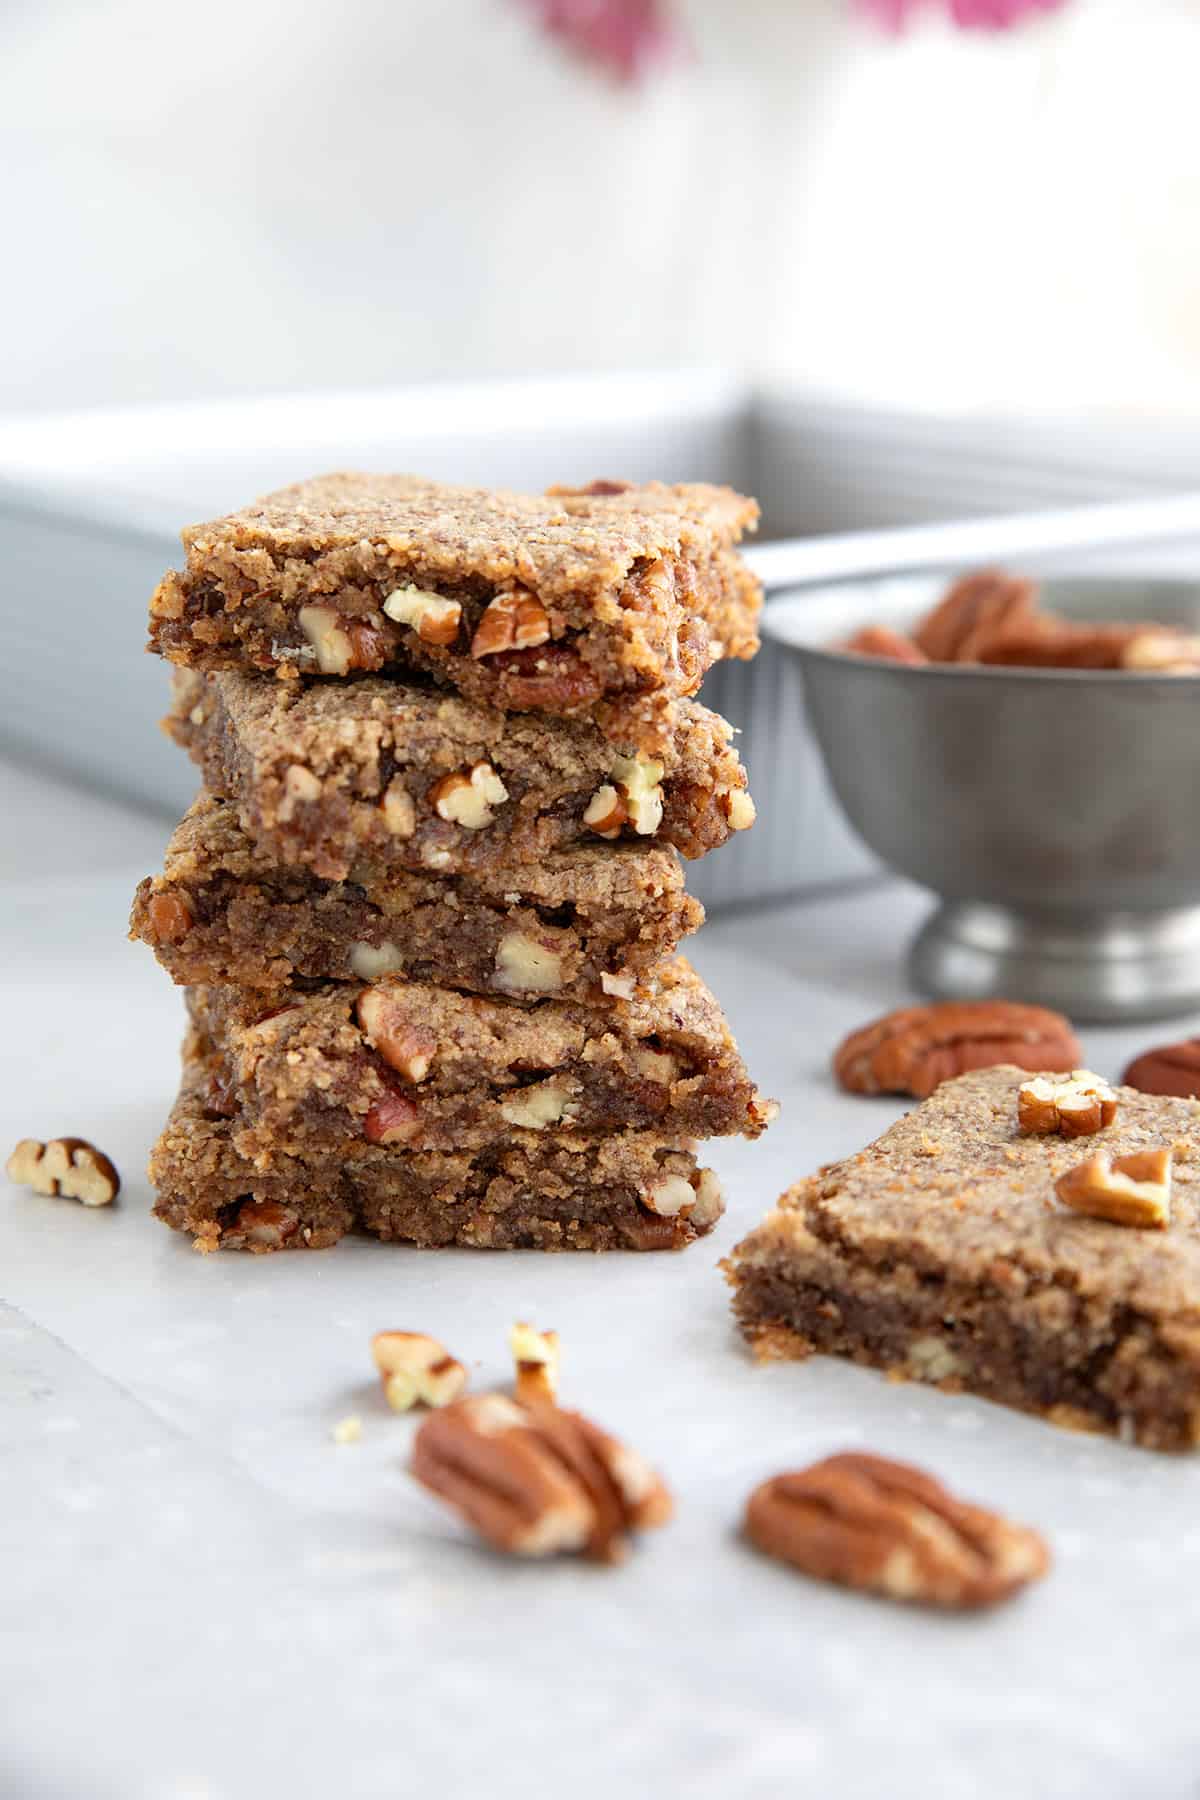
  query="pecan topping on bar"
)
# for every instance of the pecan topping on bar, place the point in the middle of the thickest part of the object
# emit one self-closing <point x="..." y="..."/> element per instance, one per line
<point x="536" y="1481"/>
<point x="913" y="1051"/>
<point x="886" y="1528"/>
<point x="1076" y="1107"/>
<point x="1126" y="1190"/>
<point x="1168" y="1069"/>
<point x="414" y="1368"/>
<point x="515" y="621"/>
<point x="535" y="1358"/>
<point x="68" y="1166"/>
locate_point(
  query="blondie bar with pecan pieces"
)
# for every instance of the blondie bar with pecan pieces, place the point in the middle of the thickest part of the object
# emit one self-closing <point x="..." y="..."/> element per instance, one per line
<point x="1053" y="1273"/>
<point x="365" y="776"/>
<point x="607" y="602"/>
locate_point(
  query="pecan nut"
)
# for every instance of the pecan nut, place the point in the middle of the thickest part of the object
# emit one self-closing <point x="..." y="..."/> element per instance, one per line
<point x="552" y="677"/>
<point x="416" y="1368"/>
<point x="886" y="1528"/>
<point x="1077" y="1107"/>
<point x="536" y="1481"/>
<point x="68" y="1166"/>
<point x="973" y="611"/>
<point x="913" y="1051"/>
<point x="468" y="796"/>
<point x="888" y="645"/>
<point x="1168" y="1069"/>
<point x="535" y="1364"/>
<point x="393" y="1119"/>
<point x="169" y="917"/>
<point x="404" y="1044"/>
<point x="513" y="621"/>
<point x="435" y="619"/>
<point x="1134" y="1189"/>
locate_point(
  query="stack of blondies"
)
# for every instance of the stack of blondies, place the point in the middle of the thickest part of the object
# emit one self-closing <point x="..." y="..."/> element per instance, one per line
<point x="427" y="905"/>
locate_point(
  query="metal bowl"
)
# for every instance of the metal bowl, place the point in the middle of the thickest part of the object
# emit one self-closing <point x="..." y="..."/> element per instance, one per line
<point x="1056" y="813"/>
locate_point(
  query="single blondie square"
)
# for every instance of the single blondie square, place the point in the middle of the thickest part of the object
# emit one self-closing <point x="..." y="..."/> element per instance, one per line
<point x="527" y="1190"/>
<point x="413" y="1064"/>
<point x="942" y="1253"/>
<point x="582" y="923"/>
<point x="607" y="602"/>
<point x="352" y="778"/>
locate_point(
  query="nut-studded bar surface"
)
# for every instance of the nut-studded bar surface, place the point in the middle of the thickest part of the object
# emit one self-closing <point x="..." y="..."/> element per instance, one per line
<point x="354" y="777"/>
<point x="939" y="1253"/>
<point x="415" y="1065"/>
<point x="225" y="913"/>
<point x="526" y="1191"/>
<point x="606" y="602"/>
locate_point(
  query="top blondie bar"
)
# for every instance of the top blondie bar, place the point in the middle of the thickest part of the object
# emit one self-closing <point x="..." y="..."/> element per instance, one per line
<point x="605" y="602"/>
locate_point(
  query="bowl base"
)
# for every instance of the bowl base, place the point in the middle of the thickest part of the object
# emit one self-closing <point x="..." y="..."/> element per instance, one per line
<point x="1112" y="968"/>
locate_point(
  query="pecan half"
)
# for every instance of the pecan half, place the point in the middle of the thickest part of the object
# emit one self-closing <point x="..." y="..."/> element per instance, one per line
<point x="1077" y="1107"/>
<point x="1134" y="1189"/>
<point x="886" y="1528"/>
<point x="1168" y="1069"/>
<point x="974" y="610"/>
<point x="68" y="1166"/>
<point x="881" y="641"/>
<point x="536" y="1481"/>
<point x="912" y="1051"/>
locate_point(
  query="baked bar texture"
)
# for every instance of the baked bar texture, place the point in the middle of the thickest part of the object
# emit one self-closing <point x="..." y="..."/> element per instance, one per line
<point x="350" y="778"/>
<point x="529" y="1190"/>
<point x="412" y="1064"/>
<point x="605" y="602"/>
<point x="940" y="1254"/>
<point x="582" y="922"/>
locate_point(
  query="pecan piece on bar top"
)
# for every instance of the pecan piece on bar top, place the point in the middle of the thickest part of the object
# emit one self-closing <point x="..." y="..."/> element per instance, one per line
<point x="1168" y="1069"/>
<point x="886" y="1528"/>
<point x="912" y="1051"/>
<point x="537" y="1481"/>
<point x="1077" y="1107"/>
<point x="1126" y="1190"/>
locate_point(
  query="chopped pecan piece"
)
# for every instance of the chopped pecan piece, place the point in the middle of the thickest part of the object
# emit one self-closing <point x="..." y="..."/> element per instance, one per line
<point x="467" y="797"/>
<point x="264" y="1225"/>
<point x="392" y="1120"/>
<point x="435" y="619"/>
<point x="403" y="1043"/>
<point x="170" y="918"/>
<point x="1077" y="1107"/>
<point x="1126" y="1190"/>
<point x="886" y="1528"/>
<point x="416" y="1369"/>
<point x="68" y="1166"/>
<point x="536" y="1481"/>
<point x="1168" y="1069"/>
<point x="552" y="676"/>
<point x="514" y="621"/>
<point x="535" y="1359"/>
<point x="914" y="1050"/>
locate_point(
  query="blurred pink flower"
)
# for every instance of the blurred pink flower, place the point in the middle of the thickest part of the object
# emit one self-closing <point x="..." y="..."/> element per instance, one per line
<point x="625" y="36"/>
<point x="988" y="15"/>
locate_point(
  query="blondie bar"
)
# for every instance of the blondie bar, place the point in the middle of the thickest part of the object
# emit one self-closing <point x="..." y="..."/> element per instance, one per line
<point x="941" y="1254"/>
<point x="529" y="1190"/>
<point x="408" y="1063"/>
<point x="583" y="922"/>
<point x="354" y="777"/>
<point x="606" y="602"/>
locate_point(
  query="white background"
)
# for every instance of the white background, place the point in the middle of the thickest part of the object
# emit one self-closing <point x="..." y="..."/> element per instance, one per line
<point x="266" y="194"/>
